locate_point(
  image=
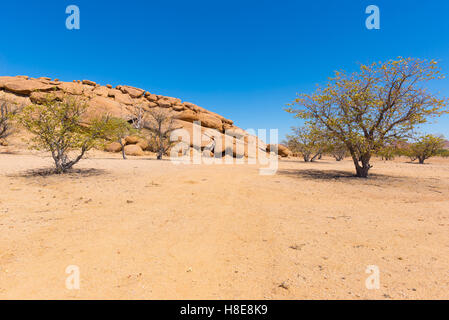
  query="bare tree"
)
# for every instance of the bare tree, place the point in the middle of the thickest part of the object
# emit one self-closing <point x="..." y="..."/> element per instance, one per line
<point x="6" y="112"/>
<point x="138" y="117"/>
<point x="161" y="123"/>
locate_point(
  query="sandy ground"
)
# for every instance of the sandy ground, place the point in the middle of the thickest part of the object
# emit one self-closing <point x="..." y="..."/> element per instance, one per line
<point x="146" y="229"/>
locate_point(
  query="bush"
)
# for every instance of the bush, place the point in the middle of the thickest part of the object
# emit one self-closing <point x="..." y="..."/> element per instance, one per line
<point x="59" y="128"/>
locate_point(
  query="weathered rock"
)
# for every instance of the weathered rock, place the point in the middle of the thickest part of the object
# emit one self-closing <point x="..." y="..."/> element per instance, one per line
<point x="133" y="150"/>
<point x="72" y="88"/>
<point x="210" y="121"/>
<point x="122" y="102"/>
<point x="25" y="87"/>
<point x="113" y="147"/>
<point x="164" y="103"/>
<point x="99" y="106"/>
<point x="89" y="83"/>
<point x="188" y="115"/>
<point x="40" y="97"/>
<point x="133" y="92"/>
<point x="101" y="91"/>
<point x="283" y="151"/>
<point x="132" y="139"/>
<point x="122" y="98"/>
<point x="151" y="97"/>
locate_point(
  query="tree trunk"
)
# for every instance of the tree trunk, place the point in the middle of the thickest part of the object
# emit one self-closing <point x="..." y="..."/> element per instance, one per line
<point x="362" y="170"/>
<point x="421" y="160"/>
<point x="123" y="149"/>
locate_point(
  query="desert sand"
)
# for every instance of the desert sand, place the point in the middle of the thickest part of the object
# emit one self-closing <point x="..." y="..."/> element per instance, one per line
<point x="147" y="229"/>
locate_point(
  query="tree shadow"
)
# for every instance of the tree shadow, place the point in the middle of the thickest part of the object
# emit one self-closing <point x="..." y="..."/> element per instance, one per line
<point x="336" y="175"/>
<point x="72" y="173"/>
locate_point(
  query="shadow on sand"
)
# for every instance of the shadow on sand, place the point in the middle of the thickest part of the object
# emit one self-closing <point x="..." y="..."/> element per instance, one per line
<point x="73" y="173"/>
<point x="337" y="175"/>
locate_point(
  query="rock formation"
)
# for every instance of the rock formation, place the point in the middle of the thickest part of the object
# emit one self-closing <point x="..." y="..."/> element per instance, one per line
<point x="122" y="101"/>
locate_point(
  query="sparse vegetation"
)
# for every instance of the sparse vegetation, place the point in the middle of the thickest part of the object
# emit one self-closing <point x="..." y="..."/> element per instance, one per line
<point x="308" y="141"/>
<point x="425" y="147"/>
<point x="59" y="128"/>
<point x="368" y="109"/>
<point x="118" y="129"/>
<point x="6" y="113"/>
<point x="161" y="123"/>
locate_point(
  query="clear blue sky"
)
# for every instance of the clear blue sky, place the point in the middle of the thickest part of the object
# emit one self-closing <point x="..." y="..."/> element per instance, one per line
<point x="242" y="59"/>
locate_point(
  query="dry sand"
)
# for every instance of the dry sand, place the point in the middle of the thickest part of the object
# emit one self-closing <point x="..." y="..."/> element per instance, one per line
<point x="146" y="229"/>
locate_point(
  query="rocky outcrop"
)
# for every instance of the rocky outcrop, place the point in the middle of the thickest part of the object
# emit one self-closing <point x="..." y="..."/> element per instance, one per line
<point x="282" y="150"/>
<point x="122" y="100"/>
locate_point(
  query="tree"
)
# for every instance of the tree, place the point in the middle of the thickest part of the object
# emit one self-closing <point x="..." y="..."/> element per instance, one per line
<point x="6" y="113"/>
<point x="138" y="117"/>
<point x="118" y="129"/>
<point x="425" y="147"/>
<point x="308" y="141"/>
<point x="161" y="123"/>
<point x="378" y="104"/>
<point x="337" y="149"/>
<point x="59" y="128"/>
<point x="388" y="152"/>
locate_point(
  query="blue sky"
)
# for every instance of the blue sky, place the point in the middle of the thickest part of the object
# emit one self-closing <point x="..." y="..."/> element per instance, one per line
<point x="243" y="59"/>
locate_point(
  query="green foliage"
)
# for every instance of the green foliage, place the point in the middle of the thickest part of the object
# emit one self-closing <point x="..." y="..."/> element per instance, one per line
<point x="368" y="109"/>
<point x="58" y="127"/>
<point x="117" y="129"/>
<point x="388" y="152"/>
<point x="308" y="141"/>
<point x="336" y="148"/>
<point x="425" y="147"/>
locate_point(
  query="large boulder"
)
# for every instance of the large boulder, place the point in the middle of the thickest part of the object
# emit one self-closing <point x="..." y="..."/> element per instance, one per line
<point x="113" y="147"/>
<point x="99" y="106"/>
<point x="283" y="151"/>
<point x="133" y="92"/>
<point x="25" y="87"/>
<point x="133" y="150"/>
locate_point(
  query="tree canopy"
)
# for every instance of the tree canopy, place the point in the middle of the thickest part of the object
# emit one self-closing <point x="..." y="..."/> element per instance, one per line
<point x="380" y="103"/>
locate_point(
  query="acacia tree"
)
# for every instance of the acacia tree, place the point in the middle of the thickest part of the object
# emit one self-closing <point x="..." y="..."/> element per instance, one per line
<point x="388" y="152"/>
<point x="118" y="129"/>
<point x="337" y="149"/>
<point x="425" y="147"/>
<point x="366" y="109"/>
<point x="59" y="128"/>
<point x="161" y="123"/>
<point x="308" y="141"/>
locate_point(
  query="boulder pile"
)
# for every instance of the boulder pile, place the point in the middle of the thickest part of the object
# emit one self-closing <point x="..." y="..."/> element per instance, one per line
<point x="122" y="101"/>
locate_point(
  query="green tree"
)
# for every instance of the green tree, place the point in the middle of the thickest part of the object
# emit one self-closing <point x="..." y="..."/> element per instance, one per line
<point x="425" y="147"/>
<point x="336" y="148"/>
<point x="59" y="128"/>
<point x="118" y="129"/>
<point x="378" y="104"/>
<point x="388" y="151"/>
<point x="308" y="141"/>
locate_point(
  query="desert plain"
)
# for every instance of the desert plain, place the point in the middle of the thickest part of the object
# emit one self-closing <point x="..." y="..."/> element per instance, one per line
<point x="147" y="229"/>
